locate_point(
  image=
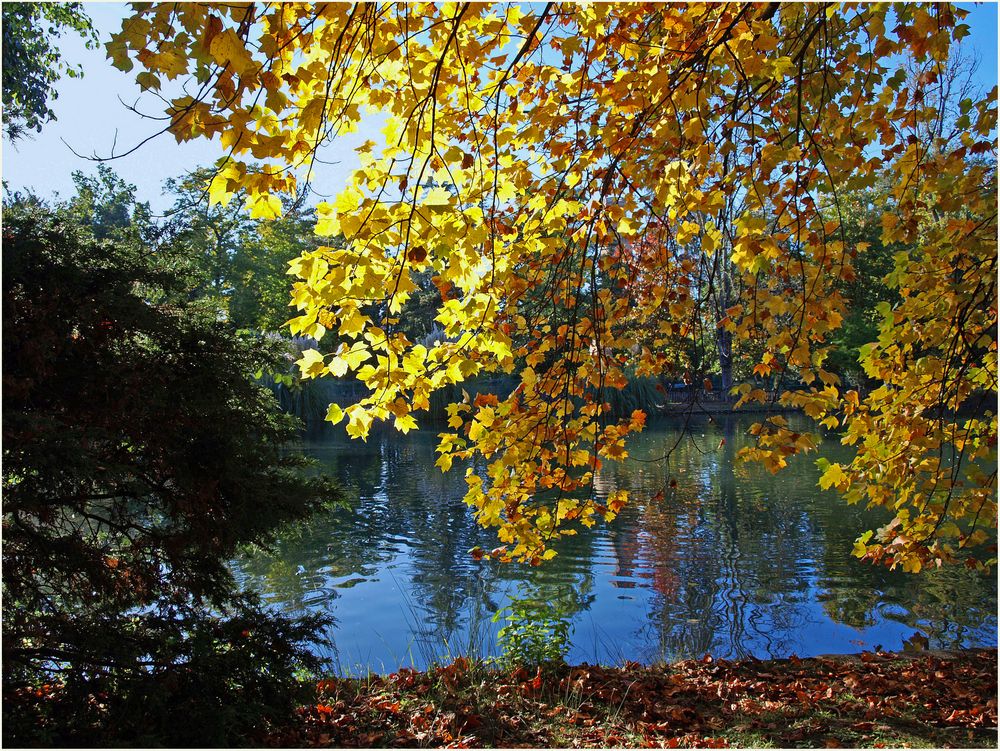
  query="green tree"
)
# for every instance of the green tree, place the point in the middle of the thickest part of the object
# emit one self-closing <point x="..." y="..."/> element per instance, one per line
<point x="864" y="292"/>
<point x="108" y="206"/>
<point x="138" y="457"/>
<point x="242" y="263"/>
<point x="32" y="62"/>
<point x="206" y="235"/>
<point x="259" y="269"/>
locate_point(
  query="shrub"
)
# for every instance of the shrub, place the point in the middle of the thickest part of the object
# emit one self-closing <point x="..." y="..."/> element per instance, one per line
<point x="533" y="636"/>
<point x="138" y="456"/>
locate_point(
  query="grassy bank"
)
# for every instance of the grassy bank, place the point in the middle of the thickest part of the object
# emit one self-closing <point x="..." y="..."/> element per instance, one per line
<point x="939" y="699"/>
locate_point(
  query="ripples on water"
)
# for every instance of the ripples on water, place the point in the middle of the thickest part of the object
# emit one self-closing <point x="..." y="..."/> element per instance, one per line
<point x="732" y="562"/>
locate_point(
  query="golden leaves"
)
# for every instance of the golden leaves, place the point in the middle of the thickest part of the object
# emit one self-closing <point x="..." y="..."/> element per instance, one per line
<point x="833" y="476"/>
<point x="597" y="212"/>
<point x="311" y="364"/>
<point x="227" y="49"/>
<point x="264" y="206"/>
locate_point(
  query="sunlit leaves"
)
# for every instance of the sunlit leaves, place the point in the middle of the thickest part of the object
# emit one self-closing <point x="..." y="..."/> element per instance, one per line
<point x="833" y="475"/>
<point x="264" y="206"/>
<point x="311" y="363"/>
<point x="228" y="50"/>
<point x="584" y="183"/>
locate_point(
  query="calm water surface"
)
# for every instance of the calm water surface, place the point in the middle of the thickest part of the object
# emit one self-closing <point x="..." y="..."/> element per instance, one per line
<point x="732" y="561"/>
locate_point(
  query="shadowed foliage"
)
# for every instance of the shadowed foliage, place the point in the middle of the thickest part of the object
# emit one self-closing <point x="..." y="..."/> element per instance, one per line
<point x="138" y="456"/>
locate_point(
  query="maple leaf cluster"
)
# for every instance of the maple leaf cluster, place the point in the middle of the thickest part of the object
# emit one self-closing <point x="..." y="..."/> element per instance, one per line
<point x="594" y="186"/>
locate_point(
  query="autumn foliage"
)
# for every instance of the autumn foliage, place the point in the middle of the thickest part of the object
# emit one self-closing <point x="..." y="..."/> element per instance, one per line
<point x="595" y="187"/>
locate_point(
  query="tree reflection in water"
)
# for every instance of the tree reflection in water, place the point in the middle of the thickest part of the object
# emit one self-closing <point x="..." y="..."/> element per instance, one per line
<point x="726" y="560"/>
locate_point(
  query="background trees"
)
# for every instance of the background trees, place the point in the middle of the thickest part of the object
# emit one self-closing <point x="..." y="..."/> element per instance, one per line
<point x="138" y="455"/>
<point x="242" y="261"/>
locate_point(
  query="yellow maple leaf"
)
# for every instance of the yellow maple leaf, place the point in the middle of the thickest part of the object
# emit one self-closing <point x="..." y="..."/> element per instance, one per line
<point x="227" y="49"/>
<point x="264" y="206"/>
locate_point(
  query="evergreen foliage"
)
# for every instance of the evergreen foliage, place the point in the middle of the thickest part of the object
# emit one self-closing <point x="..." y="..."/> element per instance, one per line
<point x="138" y="456"/>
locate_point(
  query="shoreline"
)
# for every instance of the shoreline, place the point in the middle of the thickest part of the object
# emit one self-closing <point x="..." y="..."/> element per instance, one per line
<point x="942" y="698"/>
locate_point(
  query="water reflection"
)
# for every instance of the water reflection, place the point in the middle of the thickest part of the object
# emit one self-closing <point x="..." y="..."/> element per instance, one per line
<point x="711" y="557"/>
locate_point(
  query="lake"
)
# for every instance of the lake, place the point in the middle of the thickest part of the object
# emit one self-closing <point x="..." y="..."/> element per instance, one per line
<point x="732" y="562"/>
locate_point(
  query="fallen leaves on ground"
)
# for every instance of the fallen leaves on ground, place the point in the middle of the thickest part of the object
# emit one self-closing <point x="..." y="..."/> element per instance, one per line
<point x="944" y="699"/>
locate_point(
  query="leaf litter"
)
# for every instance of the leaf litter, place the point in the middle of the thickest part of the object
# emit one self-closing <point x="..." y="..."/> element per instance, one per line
<point x="871" y="700"/>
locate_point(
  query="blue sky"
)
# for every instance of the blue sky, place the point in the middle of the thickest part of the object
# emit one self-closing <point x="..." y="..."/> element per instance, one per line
<point x="91" y="119"/>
